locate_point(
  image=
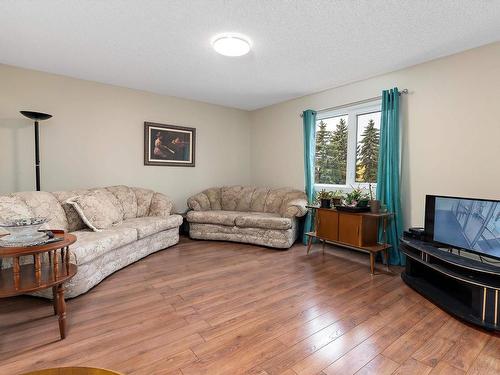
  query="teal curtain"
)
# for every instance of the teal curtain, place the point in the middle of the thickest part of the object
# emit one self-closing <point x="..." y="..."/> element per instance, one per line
<point x="309" y="118"/>
<point x="388" y="174"/>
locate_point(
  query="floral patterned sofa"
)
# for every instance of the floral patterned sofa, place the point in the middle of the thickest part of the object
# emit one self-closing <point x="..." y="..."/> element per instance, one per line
<point x="260" y="216"/>
<point x="146" y="224"/>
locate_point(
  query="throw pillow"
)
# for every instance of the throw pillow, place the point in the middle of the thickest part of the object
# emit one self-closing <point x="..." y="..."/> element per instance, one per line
<point x="97" y="210"/>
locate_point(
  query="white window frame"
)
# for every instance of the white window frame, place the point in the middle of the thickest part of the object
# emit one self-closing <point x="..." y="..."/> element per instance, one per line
<point x="352" y="113"/>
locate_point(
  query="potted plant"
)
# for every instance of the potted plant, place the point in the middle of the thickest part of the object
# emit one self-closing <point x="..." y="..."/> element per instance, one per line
<point x="374" y="203"/>
<point x="324" y="198"/>
<point x="337" y="197"/>
<point x="357" y="198"/>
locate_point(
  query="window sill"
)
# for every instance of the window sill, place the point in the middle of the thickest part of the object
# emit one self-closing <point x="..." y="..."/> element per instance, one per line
<point x="332" y="187"/>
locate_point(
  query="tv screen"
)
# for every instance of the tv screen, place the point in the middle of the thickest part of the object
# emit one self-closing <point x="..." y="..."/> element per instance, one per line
<point x="471" y="224"/>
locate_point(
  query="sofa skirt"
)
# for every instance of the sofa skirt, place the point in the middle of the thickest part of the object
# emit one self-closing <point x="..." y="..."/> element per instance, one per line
<point x="276" y="238"/>
<point x="93" y="272"/>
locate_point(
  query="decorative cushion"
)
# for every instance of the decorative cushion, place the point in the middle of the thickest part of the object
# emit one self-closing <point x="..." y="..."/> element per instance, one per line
<point x="98" y="209"/>
<point x="127" y="199"/>
<point x="264" y="221"/>
<point x="147" y="226"/>
<point x="12" y="208"/>
<point x="75" y="222"/>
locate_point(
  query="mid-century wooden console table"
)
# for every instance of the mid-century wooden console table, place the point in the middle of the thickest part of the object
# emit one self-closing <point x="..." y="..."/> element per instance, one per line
<point x="53" y="273"/>
<point x="353" y="230"/>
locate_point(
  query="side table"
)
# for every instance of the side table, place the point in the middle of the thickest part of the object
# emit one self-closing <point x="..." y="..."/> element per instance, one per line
<point x="52" y="273"/>
<point x="353" y="230"/>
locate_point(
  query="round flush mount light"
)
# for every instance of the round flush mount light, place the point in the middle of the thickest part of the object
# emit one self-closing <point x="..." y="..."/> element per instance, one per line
<point x="232" y="44"/>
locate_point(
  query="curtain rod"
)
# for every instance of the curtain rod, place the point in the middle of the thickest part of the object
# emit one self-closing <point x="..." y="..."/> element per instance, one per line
<point x="404" y="91"/>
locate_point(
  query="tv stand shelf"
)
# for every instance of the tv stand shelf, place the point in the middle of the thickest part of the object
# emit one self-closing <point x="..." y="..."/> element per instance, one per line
<point x="464" y="287"/>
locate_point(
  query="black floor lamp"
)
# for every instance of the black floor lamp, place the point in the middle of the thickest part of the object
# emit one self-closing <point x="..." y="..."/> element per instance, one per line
<point x="37" y="116"/>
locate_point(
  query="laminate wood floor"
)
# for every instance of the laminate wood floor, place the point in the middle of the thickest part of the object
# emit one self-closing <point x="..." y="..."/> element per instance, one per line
<point x="224" y="308"/>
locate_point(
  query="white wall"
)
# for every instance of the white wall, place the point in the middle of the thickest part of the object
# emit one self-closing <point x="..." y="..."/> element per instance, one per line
<point x="451" y="129"/>
<point x="451" y="133"/>
<point x="96" y="137"/>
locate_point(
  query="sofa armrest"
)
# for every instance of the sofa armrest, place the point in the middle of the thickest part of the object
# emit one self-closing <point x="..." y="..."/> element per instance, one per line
<point x="161" y="205"/>
<point x="295" y="208"/>
<point x="199" y="202"/>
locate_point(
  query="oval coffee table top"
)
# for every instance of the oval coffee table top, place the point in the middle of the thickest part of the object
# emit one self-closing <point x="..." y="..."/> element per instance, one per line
<point x="74" y="371"/>
<point x="67" y="239"/>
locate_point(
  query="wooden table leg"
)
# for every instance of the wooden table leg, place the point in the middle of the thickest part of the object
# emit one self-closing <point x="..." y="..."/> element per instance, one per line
<point x="372" y="263"/>
<point x="386" y="254"/>
<point x="61" y="310"/>
<point x="54" y="299"/>
<point x="16" y="269"/>
<point x="309" y="244"/>
<point x="323" y="247"/>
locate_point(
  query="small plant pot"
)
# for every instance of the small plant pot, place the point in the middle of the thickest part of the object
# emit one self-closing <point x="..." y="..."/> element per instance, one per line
<point x="336" y="201"/>
<point x="362" y="203"/>
<point x="375" y="206"/>
<point x="326" y="203"/>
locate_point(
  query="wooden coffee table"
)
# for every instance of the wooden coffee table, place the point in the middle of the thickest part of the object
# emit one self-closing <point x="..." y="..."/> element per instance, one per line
<point x="74" y="371"/>
<point x="53" y="273"/>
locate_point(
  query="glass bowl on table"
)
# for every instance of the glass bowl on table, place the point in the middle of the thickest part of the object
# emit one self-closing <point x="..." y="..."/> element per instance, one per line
<point x="23" y="232"/>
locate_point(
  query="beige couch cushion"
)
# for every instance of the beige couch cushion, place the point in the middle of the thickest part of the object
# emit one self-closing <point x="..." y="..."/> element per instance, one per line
<point x="263" y="220"/>
<point x="249" y="198"/>
<point x="214" y="197"/>
<point x="13" y="208"/>
<point x="143" y="198"/>
<point x="127" y="199"/>
<point x="99" y="209"/>
<point x="147" y="226"/>
<point x="161" y="205"/>
<point x="213" y="217"/>
<point x="275" y="200"/>
<point x="259" y="197"/>
<point x="91" y="245"/>
<point x="236" y="198"/>
<point x="45" y="204"/>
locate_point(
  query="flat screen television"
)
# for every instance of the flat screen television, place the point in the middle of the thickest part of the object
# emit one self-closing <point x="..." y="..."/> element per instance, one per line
<point x="464" y="223"/>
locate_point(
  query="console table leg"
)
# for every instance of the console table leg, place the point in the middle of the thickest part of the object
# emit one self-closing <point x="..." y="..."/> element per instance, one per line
<point x="323" y="247"/>
<point x="386" y="255"/>
<point x="309" y="243"/>
<point x="61" y="309"/>
<point x="372" y="263"/>
<point x="54" y="299"/>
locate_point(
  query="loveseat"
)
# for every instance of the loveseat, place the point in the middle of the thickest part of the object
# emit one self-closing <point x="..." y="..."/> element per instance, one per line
<point x="142" y="224"/>
<point x="260" y="216"/>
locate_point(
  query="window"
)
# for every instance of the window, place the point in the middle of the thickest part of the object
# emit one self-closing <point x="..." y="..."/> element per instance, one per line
<point x="347" y="142"/>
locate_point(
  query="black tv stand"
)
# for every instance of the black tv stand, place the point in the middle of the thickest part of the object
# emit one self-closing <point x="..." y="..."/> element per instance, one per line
<point x="466" y="288"/>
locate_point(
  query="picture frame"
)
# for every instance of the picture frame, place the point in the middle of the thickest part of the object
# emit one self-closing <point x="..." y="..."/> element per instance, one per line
<point x="169" y="145"/>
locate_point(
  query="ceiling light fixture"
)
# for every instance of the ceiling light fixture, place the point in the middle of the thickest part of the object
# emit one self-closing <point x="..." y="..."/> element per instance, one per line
<point x="231" y="44"/>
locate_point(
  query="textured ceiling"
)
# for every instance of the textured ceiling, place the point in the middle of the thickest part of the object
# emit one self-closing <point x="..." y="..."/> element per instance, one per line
<point x="299" y="47"/>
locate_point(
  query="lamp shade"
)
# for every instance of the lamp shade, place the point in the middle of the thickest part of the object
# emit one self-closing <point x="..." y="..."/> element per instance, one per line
<point x="37" y="116"/>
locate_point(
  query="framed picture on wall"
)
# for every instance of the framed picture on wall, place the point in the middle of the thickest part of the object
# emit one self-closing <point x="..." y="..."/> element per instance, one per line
<point x="169" y="145"/>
